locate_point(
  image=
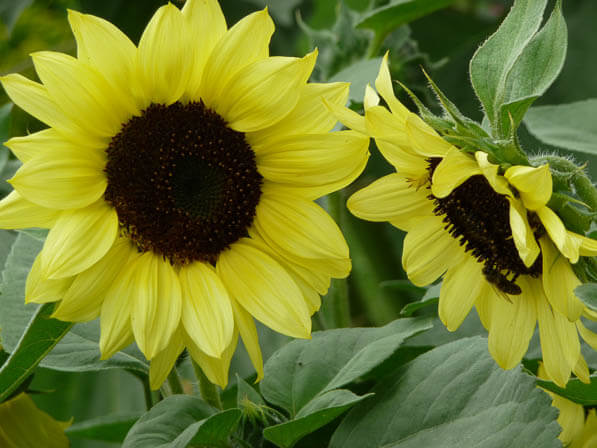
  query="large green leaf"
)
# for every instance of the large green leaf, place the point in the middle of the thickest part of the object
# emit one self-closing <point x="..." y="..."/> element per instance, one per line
<point x="40" y="336"/>
<point x="359" y="75"/>
<point x="384" y="19"/>
<point x="492" y="62"/>
<point x="571" y="126"/>
<point x="453" y="396"/>
<point x="110" y="428"/>
<point x="78" y="351"/>
<point x="317" y="413"/>
<point x="179" y="420"/>
<point x="575" y="390"/>
<point x="534" y="71"/>
<point x="301" y="370"/>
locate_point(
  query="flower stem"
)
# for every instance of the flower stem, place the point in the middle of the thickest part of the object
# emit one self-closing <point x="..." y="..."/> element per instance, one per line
<point x="174" y="382"/>
<point x="207" y="389"/>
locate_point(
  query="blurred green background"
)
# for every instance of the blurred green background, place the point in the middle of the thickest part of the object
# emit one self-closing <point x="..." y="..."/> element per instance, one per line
<point x="442" y="43"/>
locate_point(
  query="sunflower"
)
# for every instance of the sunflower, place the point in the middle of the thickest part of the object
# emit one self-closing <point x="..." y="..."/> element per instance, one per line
<point x="489" y="233"/>
<point x="23" y="425"/>
<point x="178" y="181"/>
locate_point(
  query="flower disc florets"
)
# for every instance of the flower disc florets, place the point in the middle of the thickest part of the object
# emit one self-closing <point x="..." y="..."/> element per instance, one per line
<point x="184" y="185"/>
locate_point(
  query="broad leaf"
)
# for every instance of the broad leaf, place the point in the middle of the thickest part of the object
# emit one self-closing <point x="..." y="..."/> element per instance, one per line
<point x="452" y="396"/>
<point x="111" y="428"/>
<point x="571" y="126"/>
<point x="575" y="390"/>
<point x="534" y="71"/>
<point x="299" y="371"/>
<point x="492" y="62"/>
<point x="359" y="75"/>
<point x="319" y="412"/>
<point x="587" y="293"/>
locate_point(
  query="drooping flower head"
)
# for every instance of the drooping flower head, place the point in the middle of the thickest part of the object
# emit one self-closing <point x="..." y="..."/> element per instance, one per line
<point x="487" y="231"/>
<point x="177" y="179"/>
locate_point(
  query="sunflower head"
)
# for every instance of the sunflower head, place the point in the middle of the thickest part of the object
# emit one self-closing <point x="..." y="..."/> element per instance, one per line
<point x="178" y="178"/>
<point x="479" y="214"/>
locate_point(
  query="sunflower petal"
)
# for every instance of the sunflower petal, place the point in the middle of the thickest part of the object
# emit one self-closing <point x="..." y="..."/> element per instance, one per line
<point x="490" y="171"/>
<point x="248" y="331"/>
<point x="215" y="369"/>
<point x="454" y="169"/>
<point x="533" y="183"/>
<point x="347" y="117"/>
<point x="162" y="363"/>
<point x="79" y="239"/>
<point x="42" y="290"/>
<point x="383" y="84"/>
<point x="371" y="98"/>
<point x="264" y="289"/>
<point x="17" y="212"/>
<point x="567" y="245"/>
<point x="523" y="236"/>
<point x="206" y="314"/>
<point x="424" y="140"/>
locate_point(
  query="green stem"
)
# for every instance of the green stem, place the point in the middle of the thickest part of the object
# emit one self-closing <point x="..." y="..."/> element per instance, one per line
<point x="375" y="44"/>
<point x="174" y="382"/>
<point x="335" y="308"/>
<point x="207" y="389"/>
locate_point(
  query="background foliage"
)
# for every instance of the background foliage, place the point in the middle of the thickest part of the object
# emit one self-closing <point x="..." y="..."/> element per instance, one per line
<point x="347" y="387"/>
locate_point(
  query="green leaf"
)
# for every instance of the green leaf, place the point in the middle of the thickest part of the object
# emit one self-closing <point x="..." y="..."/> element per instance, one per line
<point x="301" y="370"/>
<point x="40" y="336"/>
<point x="110" y="428"/>
<point x="10" y="11"/>
<point x="359" y="75"/>
<point x="180" y="420"/>
<point x="319" y="412"/>
<point x="587" y="293"/>
<point x="453" y="396"/>
<point x="78" y="351"/>
<point x="492" y="62"/>
<point x="384" y="19"/>
<point x="245" y="392"/>
<point x="535" y="70"/>
<point x="431" y="297"/>
<point x="571" y="126"/>
<point x="576" y="390"/>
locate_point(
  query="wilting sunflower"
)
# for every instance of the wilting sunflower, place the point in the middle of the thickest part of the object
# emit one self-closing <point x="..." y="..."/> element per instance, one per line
<point x="177" y="179"/>
<point x="489" y="233"/>
<point x="23" y="425"/>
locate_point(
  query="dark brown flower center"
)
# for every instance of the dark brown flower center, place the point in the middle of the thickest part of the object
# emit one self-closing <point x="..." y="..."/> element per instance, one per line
<point x="479" y="218"/>
<point x="183" y="183"/>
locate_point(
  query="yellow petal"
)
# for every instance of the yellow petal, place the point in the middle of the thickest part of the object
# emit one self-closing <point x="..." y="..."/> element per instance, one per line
<point x="205" y="25"/>
<point x="33" y="98"/>
<point x="571" y="419"/>
<point x="460" y="289"/>
<point x="206" y="312"/>
<point x="157" y="303"/>
<point x="347" y="117"/>
<point x="533" y="184"/>
<point x="523" y="236"/>
<point x="301" y="229"/>
<point x="115" y="317"/>
<point x="317" y="164"/>
<point x="383" y="84"/>
<point x="83" y="299"/>
<point x="246" y="42"/>
<point x="559" y="343"/>
<point x="309" y="116"/>
<point x="82" y="93"/>
<point x="108" y="50"/>
<point x="588" y="336"/>
<point x="454" y="169"/>
<point x="371" y="98"/>
<point x="428" y="250"/>
<point x="162" y="363"/>
<point x="79" y="239"/>
<point x="567" y="245"/>
<point x="559" y="282"/>
<point x="17" y="212"/>
<point x="581" y="370"/>
<point x="513" y="322"/>
<point x="25" y="426"/>
<point x="248" y="332"/>
<point x="381" y="123"/>
<point x="391" y="198"/>
<point x="587" y="246"/>
<point x="264" y="289"/>
<point x="490" y="171"/>
<point x="424" y="140"/>
<point x="39" y="289"/>
<point x="413" y="166"/>
<point x="165" y="56"/>
<point x="264" y="92"/>
<point x="65" y="179"/>
<point x="215" y="369"/>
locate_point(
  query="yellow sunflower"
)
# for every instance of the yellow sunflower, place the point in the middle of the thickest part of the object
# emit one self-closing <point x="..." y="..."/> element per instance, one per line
<point x="23" y="425"/>
<point x="489" y="233"/>
<point x="177" y="179"/>
<point x="578" y="430"/>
